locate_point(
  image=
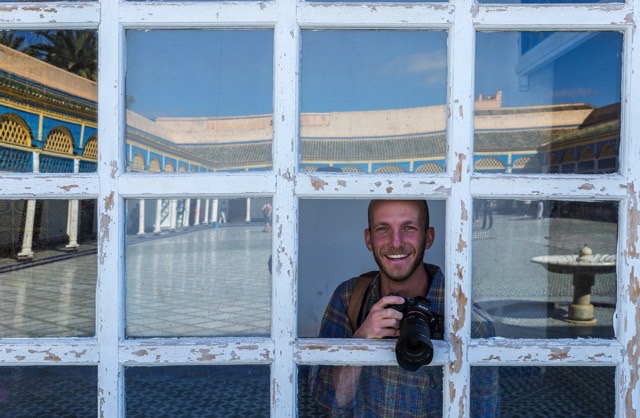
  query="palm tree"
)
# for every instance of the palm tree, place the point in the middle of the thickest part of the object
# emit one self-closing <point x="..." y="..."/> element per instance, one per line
<point x="73" y="50"/>
<point x="11" y="39"/>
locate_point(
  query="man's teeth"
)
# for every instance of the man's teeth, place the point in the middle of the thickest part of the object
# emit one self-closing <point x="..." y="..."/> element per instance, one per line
<point x="397" y="256"/>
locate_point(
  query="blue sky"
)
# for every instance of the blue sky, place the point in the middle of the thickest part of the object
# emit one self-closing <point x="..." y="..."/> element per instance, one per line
<point x="214" y="73"/>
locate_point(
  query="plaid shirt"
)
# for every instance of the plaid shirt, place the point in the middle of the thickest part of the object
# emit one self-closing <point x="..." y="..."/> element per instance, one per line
<point x="392" y="391"/>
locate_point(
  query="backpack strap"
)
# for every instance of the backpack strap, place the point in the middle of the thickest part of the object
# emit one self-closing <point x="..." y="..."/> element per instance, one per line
<point x="357" y="297"/>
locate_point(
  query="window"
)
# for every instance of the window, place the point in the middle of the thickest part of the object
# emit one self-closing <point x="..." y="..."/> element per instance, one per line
<point x="200" y="182"/>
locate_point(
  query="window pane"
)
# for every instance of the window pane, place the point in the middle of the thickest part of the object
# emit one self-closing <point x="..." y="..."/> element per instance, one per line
<point x="207" y="104"/>
<point x="548" y="102"/>
<point x="410" y="393"/>
<point x="36" y="238"/>
<point x="198" y="267"/>
<point x="332" y="250"/>
<point x="48" y="118"/>
<point x="554" y="392"/>
<point x="545" y="269"/>
<point x="373" y="101"/>
<point x="46" y="391"/>
<point x="197" y="391"/>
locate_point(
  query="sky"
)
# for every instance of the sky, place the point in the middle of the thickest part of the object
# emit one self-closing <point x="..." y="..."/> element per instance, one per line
<point x="217" y="73"/>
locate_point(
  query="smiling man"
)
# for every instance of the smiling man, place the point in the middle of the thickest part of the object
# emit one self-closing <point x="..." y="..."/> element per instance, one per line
<point x="398" y="235"/>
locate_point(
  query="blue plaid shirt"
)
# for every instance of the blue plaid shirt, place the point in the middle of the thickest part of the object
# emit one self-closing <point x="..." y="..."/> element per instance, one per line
<point x="392" y="391"/>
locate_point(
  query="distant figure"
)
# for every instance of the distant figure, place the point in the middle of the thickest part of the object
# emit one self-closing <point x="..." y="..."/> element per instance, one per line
<point x="540" y="210"/>
<point x="487" y="212"/>
<point x="266" y="213"/>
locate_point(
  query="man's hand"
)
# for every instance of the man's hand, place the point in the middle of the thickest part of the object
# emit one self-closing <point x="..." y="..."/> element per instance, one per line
<point x="382" y="321"/>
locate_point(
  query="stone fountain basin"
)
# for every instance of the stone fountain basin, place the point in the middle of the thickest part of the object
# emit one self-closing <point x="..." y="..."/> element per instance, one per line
<point x="572" y="264"/>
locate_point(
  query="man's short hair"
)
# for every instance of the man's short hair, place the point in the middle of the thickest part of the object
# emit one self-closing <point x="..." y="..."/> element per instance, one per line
<point x="426" y="208"/>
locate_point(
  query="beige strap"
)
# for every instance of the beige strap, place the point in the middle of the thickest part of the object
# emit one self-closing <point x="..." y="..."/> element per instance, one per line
<point x="355" y="302"/>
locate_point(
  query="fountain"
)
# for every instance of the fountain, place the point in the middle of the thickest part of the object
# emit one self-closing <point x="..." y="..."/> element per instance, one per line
<point x="584" y="268"/>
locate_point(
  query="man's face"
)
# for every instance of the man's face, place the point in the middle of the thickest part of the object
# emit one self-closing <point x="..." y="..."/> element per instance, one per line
<point x="398" y="237"/>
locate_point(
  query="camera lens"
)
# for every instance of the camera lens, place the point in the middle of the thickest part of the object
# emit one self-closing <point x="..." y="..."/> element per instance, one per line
<point x="414" y="347"/>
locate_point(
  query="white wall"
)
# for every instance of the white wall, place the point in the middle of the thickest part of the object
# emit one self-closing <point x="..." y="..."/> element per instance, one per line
<point x="332" y="250"/>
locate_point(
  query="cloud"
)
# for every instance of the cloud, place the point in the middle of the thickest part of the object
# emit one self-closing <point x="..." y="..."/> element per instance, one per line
<point x="431" y="67"/>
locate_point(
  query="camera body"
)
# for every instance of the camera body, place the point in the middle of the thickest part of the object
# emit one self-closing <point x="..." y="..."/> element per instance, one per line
<point x="419" y="325"/>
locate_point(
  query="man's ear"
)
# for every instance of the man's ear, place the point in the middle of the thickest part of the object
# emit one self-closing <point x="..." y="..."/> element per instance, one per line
<point x="367" y="239"/>
<point x="430" y="236"/>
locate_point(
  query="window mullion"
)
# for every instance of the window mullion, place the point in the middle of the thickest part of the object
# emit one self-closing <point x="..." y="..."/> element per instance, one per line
<point x="458" y="225"/>
<point x="628" y="313"/>
<point x="285" y="220"/>
<point x="110" y="207"/>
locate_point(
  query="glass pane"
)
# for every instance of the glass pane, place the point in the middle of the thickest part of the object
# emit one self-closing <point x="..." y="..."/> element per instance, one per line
<point x="553" y="392"/>
<point x="199" y="100"/>
<point x="332" y="250"/>
<point x="46" y="391"/>
<point x="547" y="102"/>
<point x="380" y="391"/>
<point x="545" y="269"/>
<point x="36" y="238"/>
<point x="373" y="101"/>
<point x="197" y="391"/>
<point x="48" y="107"/>
<point x="198" y="267"/>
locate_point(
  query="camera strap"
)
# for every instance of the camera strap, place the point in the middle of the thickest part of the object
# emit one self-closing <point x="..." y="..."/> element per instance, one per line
<point x="357" y="297"/>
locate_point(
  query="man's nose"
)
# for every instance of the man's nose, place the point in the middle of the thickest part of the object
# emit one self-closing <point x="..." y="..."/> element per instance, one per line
<point x="396" y="238"/>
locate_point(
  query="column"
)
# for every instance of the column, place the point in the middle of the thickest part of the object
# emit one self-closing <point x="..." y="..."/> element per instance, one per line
<point x="141" y="218"/>
<point x="27" y="238"/>
<point x="72" y="216"/>
<point x="206" y="212"/>
<point x="157" y="229"/>
<point x="173" y="214"/>
<point x="248" y="217"/>
<point x="214" y="215"/>
<point x="197" y="217"/>
<point x="187" y="213"/>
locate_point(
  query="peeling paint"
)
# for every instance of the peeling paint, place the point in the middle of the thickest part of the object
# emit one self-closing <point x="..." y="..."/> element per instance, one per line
<point x="457" y="174"/>
<point x="452" y="392"/>
<point x="586" y="186"/>
<point x="20" y="358"/>
<point x="461" y="300"/>
<point x="342" y="183"/>
<point x="69" y="187"/>
<point x="462" y="402"/>
<point x="559" y="354"/>
<point x="114" y="169"/>
<point x="79" y="354"/>
<point x="318" y="183"/>
<point x="456" y="344"/>
<point x="464" y="215"/>
<point x="462" y="244"/>
<point x="140" y="353"/>
<point x="634" y="219"/>
<point x="492" y="357"/>
<point x="206" y="355"/>
<point x="389" y="189"/>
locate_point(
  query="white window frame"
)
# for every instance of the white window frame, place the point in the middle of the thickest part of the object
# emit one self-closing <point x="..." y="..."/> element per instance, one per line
<point x="111" y="352"/>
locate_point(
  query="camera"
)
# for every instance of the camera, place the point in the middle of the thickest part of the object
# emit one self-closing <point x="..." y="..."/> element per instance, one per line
<point x="418" y="326"/>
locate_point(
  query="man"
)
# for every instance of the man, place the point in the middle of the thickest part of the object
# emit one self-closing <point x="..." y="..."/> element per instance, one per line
<point x="398" y="235"/>
<point x="266" y="214"/>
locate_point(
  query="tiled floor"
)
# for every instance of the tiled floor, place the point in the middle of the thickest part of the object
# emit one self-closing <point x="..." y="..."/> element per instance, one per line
<point x="210" y="281"/>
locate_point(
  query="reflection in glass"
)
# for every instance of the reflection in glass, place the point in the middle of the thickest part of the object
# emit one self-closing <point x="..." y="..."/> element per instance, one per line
<point x="48" y="391"/>
<point x="197" y="391"/>
<point x="416" y="394"/>
<point x="554" y="392"/>
<point x="548" y="102"/>
<point x="373" y="101"/>
<point x="198" y="267"/>
<point x="207" y="104"/>
<point x="545" y="269"/>
<point x="38" y="237"/>
<point x="48" y="119"/>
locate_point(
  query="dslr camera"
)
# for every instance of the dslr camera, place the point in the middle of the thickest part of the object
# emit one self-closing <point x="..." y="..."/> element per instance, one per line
<point x="419" y="325"/>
